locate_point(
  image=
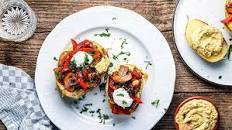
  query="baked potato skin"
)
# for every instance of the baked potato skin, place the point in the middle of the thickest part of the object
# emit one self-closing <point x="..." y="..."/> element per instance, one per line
<point x="80" y="92"/>
<point x="229" y="25"/>
<point x="138" y="94"/>
<point x="194" y="24"/>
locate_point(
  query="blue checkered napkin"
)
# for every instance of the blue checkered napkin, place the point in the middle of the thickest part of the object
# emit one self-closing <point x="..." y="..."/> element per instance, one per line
<point x="19" y="105"/>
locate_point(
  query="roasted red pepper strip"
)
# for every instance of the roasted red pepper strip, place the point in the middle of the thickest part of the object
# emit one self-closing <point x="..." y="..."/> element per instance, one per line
<point x="136" y="74"/>
<point x="137" y="100"/>
<point x="83" y="84"/>
<point x="227" y="20"/>
<point x="74" y="44"/>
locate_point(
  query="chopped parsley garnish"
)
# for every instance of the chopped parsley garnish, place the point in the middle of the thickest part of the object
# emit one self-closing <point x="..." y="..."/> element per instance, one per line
<point x="229" y="51"/>
<point x="111" y="64"/>
<point x="124" y="102"/>
<point x="59" y="75"/>
<point x="84" y="109"/>
<point x="123" y="43"/>
<point x="73" y="65"/>
<point x="155" y="103"/>
<point x="103" y="100"/>
<point x="82" y="98"/>
<point x="92" y="111"/>
<point x="102" y="86"/>
<point x="104" y="34"/>
<point x="115" y="57"/>
<point x="133" y="117"/>
<point x="165" y="109"/>
<point x="55" y="59"/>
<point x="88" y="104"/>
<point x="107" y="29"/>
<point x="104" y="118"/>
<point x="220" y="77"/>
<point x="148" y="63"/>
<point x="120" y="94"/>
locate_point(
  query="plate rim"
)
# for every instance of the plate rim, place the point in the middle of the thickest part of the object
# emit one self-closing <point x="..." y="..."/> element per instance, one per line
<point x="182" y="59"/>
<point x="137" y="14"/>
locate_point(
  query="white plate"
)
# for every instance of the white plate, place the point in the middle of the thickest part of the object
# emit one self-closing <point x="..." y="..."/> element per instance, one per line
<point x="145" y="42"/>
<point x="211" y="12"/>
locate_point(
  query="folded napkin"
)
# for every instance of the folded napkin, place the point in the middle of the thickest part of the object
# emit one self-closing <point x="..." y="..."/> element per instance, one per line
<point x="19" y="106"/>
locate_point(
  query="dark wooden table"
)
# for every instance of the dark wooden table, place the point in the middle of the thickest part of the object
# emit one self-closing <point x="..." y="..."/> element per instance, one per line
<point x="158" y="12"/>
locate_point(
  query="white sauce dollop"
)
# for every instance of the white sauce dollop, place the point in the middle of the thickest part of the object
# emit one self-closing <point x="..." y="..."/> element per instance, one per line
<point x="122" y="98"/>
<point x="80" y="58"/>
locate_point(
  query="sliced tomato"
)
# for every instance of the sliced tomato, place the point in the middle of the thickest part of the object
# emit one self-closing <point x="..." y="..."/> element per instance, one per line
<point x="189" y="99"/>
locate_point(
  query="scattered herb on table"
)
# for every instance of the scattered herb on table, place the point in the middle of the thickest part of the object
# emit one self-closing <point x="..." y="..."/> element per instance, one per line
<point x="148" y="63"/>
<point x="155" y="103"/>
<point x="133" y="117"/>
<point x="103" y="100"/>
<point x="88" y="104"/>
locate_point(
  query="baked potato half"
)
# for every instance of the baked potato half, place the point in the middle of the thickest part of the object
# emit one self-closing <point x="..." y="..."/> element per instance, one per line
<point x="124" y="88"/>
<point x="81" y="68"/>
<point x="207" y="41"/>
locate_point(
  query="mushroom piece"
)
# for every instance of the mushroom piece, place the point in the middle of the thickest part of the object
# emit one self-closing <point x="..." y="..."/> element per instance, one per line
<point x="122" y="75"/>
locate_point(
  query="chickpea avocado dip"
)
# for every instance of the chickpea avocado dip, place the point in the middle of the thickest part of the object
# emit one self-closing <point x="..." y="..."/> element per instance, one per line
<point x="207" y="41"/>
<point x="196" y="113"/>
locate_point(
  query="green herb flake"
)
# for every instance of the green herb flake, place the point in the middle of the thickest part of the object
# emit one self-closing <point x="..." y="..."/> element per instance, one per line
<point x="133" y="117"/>
<point x="55" y="59"/>
<point x="103" y="34"/>
<point x="123" y="43"/>
<point x="120" y="95"/>
<point x="84" y="109"/>
<point x="124" y="102"/>
<point x="103" y="100"/>
<point x="59" y="75"/>
<point x="229" y="51"/>
<point x="113" y="124"/>
<point x="73" y="65"/>
<point x="155" y="103"/>
<point x="165" y="109"/>
<point x="88" y="104"/>
<point x="111" y="64"/>
<point x="220" y="77"/>
<point x="115" y="57"/>
<point x="148" y="63"/>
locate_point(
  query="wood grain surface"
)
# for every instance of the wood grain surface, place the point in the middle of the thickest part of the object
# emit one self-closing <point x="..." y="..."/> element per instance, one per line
<point x="158" y="12"/>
